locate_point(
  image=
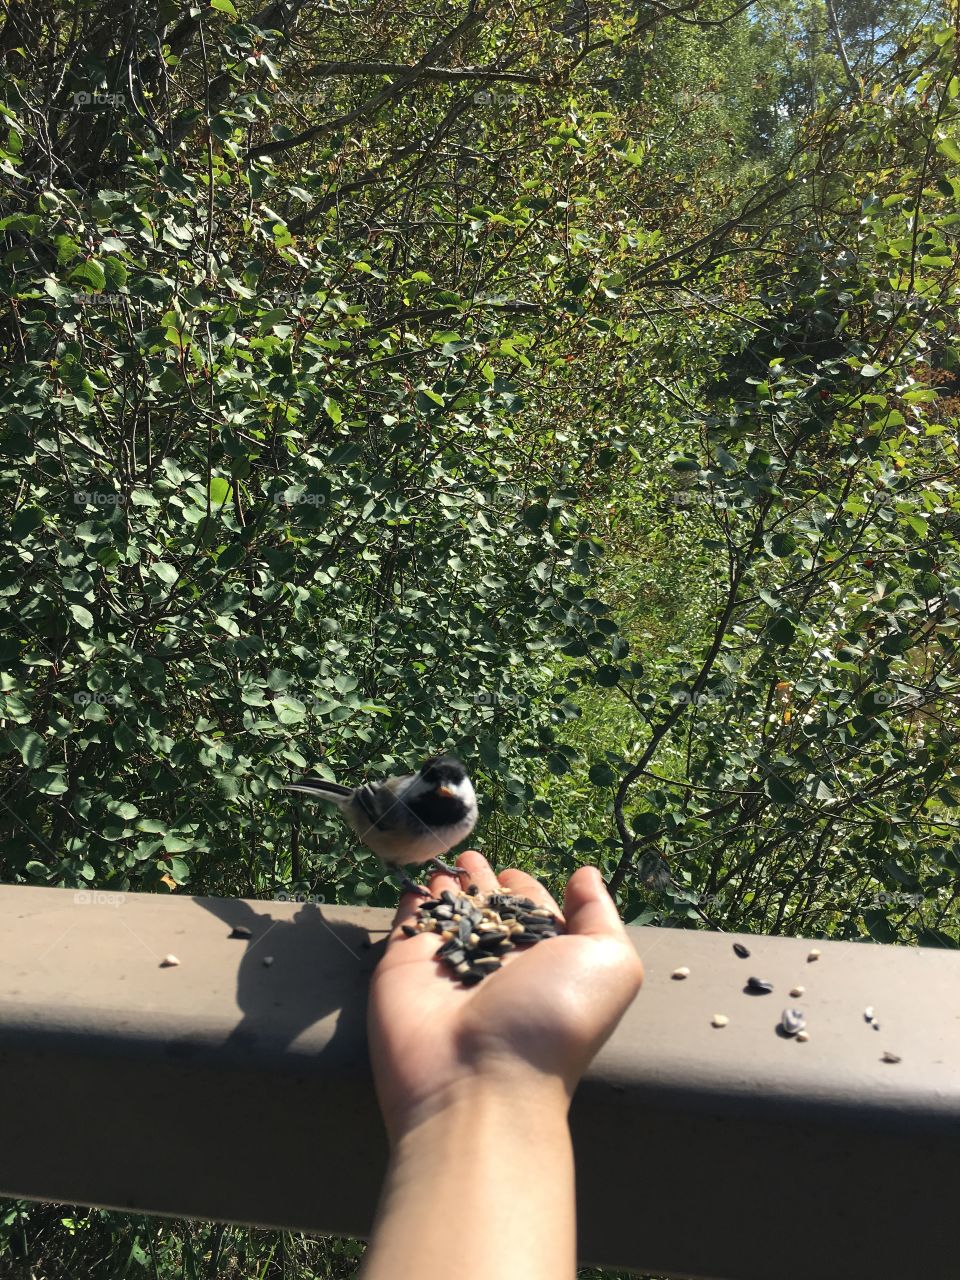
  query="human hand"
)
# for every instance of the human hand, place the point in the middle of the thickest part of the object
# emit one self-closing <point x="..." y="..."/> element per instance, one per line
<point x="536" y="1023"/>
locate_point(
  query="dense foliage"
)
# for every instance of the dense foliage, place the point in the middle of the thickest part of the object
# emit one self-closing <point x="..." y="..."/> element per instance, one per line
<point x="574" y="386"/>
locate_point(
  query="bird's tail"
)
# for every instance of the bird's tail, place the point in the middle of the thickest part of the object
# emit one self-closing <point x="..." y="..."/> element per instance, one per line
<point x="321" y="789"/>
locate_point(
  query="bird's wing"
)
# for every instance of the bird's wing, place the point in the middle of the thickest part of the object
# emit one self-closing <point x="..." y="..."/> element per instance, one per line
<point x="379" y="802"/>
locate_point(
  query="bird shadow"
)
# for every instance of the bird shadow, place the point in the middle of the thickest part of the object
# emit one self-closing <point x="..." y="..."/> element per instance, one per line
<point x="294" y="972"/>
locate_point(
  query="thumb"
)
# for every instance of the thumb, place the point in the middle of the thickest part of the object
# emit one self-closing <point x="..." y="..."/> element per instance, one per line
<point x="588" y="907"/>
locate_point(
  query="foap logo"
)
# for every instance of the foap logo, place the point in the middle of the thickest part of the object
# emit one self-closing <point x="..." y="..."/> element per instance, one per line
<point x="894" y="898"/>
<point x="684" y="697"/>
<point x="494" y="98"/>
<point x="93" y="498"/>
<point x="311" y="899"/>
<point x="98" y="898"/>
<point x="82" y="98"/>
<point x="295" y="498"/>
<point x="86" y="697"/>
<point x="98" y="301"/>
<point x="497" y="698"/>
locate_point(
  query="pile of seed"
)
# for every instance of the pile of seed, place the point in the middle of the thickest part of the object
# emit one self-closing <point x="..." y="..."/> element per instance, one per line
<point x="478" y="928"/>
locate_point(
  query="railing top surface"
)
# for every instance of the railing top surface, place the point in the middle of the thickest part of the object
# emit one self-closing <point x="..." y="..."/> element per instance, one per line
<point x="228" y="1089"/>
<point x="89" y="965"/>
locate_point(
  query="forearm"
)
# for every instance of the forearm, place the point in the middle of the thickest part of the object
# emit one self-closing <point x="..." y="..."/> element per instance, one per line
<point x="482" y="1186"/>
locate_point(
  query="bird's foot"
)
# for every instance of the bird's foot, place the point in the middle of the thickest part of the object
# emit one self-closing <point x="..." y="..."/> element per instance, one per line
<point x="411" y="886"/>
<point x="450" y="871"/>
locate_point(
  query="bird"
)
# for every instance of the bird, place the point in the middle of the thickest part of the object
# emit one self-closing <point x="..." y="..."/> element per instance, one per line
<point x="412" y="818"/>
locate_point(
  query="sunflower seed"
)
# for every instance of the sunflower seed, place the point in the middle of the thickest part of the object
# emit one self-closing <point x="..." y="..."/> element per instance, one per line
<point x="410" y="930"/>
<point x="797" y="991"/>
<point x="868" y="1013"/>
<point x="719" y="1020"/>
<point x="443" y="913"/>
<point x="741" y="950"/>
<point x="267" y="961"/>
<point x="682" y="972"/>
<point x="890" y="1057"/>
<point x="472" y="888"/>
<point x="169" y="962"/>
<point x="802" y="1036"/>
<point x="241" y="931"/>
<point x="792" y="1021"/>
<point x="472" y="977"/>
<point x="447" y="897"/>
<point x="760" y="985"/>
<point x="490" y="964"/>
<point x="813" y="955"/>
<point x="464" y="929"/>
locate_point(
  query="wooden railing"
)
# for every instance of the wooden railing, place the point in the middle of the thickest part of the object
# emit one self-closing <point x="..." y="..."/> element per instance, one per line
<point x="231" y="1089"/>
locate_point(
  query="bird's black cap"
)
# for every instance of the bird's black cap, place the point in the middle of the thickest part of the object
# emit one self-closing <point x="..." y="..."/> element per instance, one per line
<point x="443" y="768"/>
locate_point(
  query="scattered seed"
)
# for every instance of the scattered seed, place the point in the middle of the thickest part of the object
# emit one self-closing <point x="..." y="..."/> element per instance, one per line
<point x="472" y="888"/>
<point x="682" y="972"/>
<point x="792" y="1021"/>
<point x="410" y="930"/>
<point x="719" y="1020"/>
<point x="267" y="961"/>
<point x="241" y="931"/>
<point x="813" y="955"/>
<point x="741" y="950"/>
<point x="760" y="985"/>
<point x="797" y="991"/>
<point x="890" y="1057"/>
<point x="802" y="1036"/>
<point x="169" y="962"/>
<point x="869" y="1014"/>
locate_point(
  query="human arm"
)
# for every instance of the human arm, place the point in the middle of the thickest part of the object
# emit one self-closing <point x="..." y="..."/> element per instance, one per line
<point x="474" y="1085"/>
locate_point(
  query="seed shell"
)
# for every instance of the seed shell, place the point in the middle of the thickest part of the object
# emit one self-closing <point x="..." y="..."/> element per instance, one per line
<point x="681" y="973"/>
<point x="742" y="951"/>
<point x="760" y="985"/>
<point x="793" y="1021"/>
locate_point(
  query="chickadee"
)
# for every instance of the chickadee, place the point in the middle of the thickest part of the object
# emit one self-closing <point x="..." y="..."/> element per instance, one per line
<point x="413" y="818"/>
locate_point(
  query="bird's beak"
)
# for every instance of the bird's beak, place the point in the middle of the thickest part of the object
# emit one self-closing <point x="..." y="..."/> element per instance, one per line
<point x="444" y="791"/>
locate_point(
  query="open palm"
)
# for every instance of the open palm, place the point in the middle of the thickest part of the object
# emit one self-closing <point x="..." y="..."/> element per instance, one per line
<point x="548" y="1010"/>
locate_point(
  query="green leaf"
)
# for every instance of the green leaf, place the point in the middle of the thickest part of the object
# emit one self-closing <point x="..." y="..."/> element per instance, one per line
<point x="29" y="744"/>
<point x="779" y="545"/>
<point x="89" y="272"/>
<point x="779" y="790"/>
<point x="82" y="616"/>
<point x="602" y="775"/>
<point x="165" y="572"/>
